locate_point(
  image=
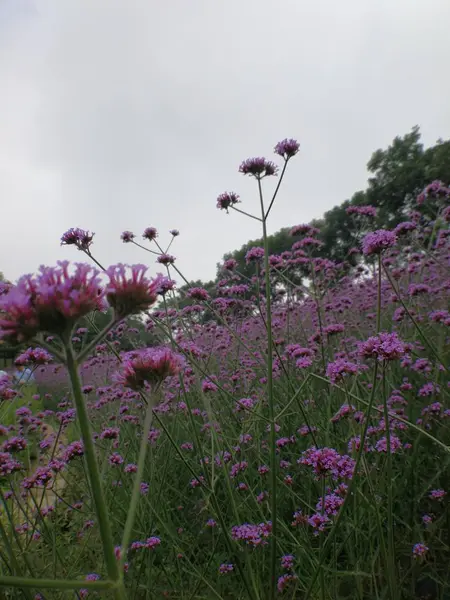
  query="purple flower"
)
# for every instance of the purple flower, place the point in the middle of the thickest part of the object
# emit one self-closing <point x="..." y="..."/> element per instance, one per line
<point x="150" y="365"/>
<point x="130" y="292"/>
<point x="127" y="236"/>
<point x="51" y="301"/>
<point x="174" y="232"/>
<point x="197" y="293"/>
<point x="73" y="450"/>
<point x="437" y="494"/>
<point x="227" y="199"/>
<point x="166" y="259"/>
<point x="165" y="285"/>
<point x="34" y="356"/>
<point x="14" y="444"/>
<point x="150" y="234"/>
<point x="404" y="227"/>
<point x="226" y="568"/>
<point x="395" y="444"/>
<point x="285" y="580"/>
<point x="366" y="211"/>
<point x="384" y="346"/>
<point x="258" y="167"/>
<point x="77" y="237"/>
<point x="377" y="241"/>
<point x="287" y="148"/>
<point x="255" y="253"/>
<point x="287" y="562"/>
<point x="338" y="369"/>
<point x="419" y="550"/>
<point x="303" y="229"/>
<point x="328" y="462"/>
<point x="253" y="535"/>
<point x="230" y="264"/>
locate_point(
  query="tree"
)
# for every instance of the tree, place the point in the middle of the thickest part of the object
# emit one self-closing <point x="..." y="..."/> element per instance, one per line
<point x="397" y="175"/>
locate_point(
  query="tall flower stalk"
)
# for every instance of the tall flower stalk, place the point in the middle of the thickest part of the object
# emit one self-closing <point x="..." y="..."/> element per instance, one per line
<point x="93" y="472"/>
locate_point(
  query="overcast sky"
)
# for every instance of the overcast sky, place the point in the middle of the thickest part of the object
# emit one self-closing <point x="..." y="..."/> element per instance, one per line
<point x="132" y="113"/>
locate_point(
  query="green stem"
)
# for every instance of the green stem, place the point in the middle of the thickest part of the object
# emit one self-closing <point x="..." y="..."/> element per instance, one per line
<point x="390" y="533"/>
<point x="328" y="542"/>
<point x="245" y="213"/>
<point x="98" y="338"/>
<point x="93" y="470"/>
<point x="137" y="484"/>
<point x="270" y="398"/>
<point x="58" y="584"/>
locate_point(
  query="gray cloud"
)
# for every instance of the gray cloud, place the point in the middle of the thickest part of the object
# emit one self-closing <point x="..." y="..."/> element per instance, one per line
<point x="119" y="115"/>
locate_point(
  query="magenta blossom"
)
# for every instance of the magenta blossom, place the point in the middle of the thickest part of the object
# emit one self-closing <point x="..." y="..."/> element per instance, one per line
<point x="378" y="241"/>
<point x="150" y="365"/>
<point x="51" y="301"/>
<point x="258" y="167"/>
<point x="150" y="234"/>
<point x="227" y="199"/>
<point x="127" y="236"/>
<point x="130" y="293"/>
<point x="384" y="346"/>
<point x="33" y="356"/>
<point x="77" y="237"/>
<point x="287" y="148"/>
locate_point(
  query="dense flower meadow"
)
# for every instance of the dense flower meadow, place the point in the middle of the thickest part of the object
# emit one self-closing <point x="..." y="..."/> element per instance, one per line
<point x="287" y="438"/>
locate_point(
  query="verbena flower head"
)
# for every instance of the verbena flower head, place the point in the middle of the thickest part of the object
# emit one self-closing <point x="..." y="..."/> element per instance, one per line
<point x="258" y="167"/>
<point x="129" y="291"/>
<point x="254" y="254"/>
<point x="366" y="211"/>
<point x="435" y="189"/>
<point x="165" y="285"/>
<point x="230" y="264"/>
<point x="303" y="229"/>
<point x="287" y="148"/>
<point x="166" y="259"/>
<point x="198" y="294"/>
<point x="77" y="237"/>
<point x="127" y="236"/>
<point x="51" y="301"/>
<point x="150" y="234"/>
<point x="419" y="550"/>
<point x="147" y="366"/>
<point x="174" y="232"/>
<point x="385" y="346"/>
<point x="227" y="199"/>
<point x="338" y="369"/>
<point x="33" y="356"/>
<point x="378" y="241"/>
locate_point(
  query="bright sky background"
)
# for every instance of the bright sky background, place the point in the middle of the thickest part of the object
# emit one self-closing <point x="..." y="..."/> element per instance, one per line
<point x="122" y="114"/>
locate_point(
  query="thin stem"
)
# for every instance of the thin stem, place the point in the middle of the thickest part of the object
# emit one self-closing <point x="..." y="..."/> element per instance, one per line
<point x="270" y="398"/>
<point x="137" y="484"/>
<point x="379" y="295"/>
<point x="333" y="532"/>
<point x="93" y="469"/>
<point x="414" y="322"/>
<point x="391" y="414"/>
<point x="95" y="260"/>
<point x="276" y="189"/>
<point x="246" y="213"/>
<point x="55" y="353"/>
<point x="388" y="476"/>
<point x="98" y="338"/>
<point x="58" y="584"/>
<point x="146" y="249"/>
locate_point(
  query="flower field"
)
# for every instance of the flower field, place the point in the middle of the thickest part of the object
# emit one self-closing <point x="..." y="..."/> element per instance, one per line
<point x="288" y="437"/>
